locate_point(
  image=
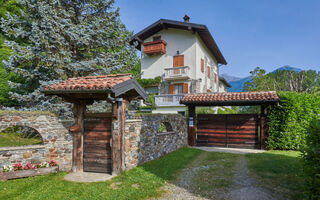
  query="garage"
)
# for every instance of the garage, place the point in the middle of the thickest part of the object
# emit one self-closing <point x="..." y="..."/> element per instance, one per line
<point x="229" y="130"/>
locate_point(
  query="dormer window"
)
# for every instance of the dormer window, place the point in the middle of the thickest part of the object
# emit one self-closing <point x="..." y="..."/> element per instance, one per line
<point x="157" y="38"/>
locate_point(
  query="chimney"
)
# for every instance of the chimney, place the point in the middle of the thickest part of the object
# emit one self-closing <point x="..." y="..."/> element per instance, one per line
<point x="186" y="18"/>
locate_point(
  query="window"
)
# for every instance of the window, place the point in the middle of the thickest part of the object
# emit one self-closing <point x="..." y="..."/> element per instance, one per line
<point x="165" y="127"/>
<point x="202" y="65"/>
<point x="208" y="72"/>
<point x="181" y="88"/>
<point x="157" y="38"/>
<point x="19" y="136"/>
<point x="215" y="77"/>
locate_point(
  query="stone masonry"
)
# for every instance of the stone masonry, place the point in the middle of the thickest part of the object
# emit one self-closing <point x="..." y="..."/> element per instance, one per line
<point x="144" y="143"/>
<point x="57" y="141"/>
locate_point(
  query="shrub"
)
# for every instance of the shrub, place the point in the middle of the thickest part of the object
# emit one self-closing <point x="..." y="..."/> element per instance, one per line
<point x="289" y="121"/>
<point x="311" y="155"/>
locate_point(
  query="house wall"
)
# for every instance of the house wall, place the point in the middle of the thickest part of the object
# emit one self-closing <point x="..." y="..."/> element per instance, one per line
<point x="177" y="40"/>
<point x="57" y="141"/>
<point x="202" y="52"/>
<point x="143" y="143"/>
<point x="192" y="47"/>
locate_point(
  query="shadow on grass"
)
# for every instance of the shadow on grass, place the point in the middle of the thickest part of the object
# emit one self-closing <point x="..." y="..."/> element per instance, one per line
<point x="279" y="171"/>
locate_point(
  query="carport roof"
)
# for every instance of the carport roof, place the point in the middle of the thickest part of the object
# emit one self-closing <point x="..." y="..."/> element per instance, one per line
<point x="231" y="98"/>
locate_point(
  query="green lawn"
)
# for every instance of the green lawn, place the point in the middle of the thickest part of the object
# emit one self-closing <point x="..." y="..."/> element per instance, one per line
<point x="279" y="171"/>
<point x="8" y="139"/>
<point x="149" y="177"/>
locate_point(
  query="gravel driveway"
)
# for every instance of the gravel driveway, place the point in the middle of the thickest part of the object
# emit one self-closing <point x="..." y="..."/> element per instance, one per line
<point x="240" y="185"/>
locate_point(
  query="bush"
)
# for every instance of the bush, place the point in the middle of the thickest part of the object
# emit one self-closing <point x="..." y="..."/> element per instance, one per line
<point x="311" y="155"/>
<point x="289" y="121"/>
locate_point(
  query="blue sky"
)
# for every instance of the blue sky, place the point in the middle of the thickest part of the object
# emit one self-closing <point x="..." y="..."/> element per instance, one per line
<point x="249" y="33"/>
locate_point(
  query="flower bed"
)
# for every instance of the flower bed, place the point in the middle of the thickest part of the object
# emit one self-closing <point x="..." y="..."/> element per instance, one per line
<point x="19" y="171"/>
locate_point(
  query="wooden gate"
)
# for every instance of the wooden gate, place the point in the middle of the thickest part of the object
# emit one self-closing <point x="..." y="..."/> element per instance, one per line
<point x="96" y="144"/>
<point x="229" y="130"/>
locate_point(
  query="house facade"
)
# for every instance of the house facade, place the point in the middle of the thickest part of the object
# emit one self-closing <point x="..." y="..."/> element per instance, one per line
<point x="186" y="58"/>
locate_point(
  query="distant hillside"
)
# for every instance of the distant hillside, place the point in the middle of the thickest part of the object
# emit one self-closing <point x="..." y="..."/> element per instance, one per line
<point x="230" y="78"/>
<point x="238" y="83"/>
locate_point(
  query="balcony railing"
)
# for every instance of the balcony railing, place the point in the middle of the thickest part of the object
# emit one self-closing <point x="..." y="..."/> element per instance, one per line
<point x="155" y="47"/>
<point x="177" y="73"/>
<point x="168" y="100"/>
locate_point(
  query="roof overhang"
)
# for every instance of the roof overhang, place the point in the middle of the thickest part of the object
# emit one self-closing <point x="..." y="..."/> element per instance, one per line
<point x="202" y="30"/>
<point x="231" y="99"/>
<point x="224" y="81"/>
<point x="129" y="88"/>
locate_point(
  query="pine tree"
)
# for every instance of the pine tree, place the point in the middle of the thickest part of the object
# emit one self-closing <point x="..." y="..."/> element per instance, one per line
<point x="65" y="38"/>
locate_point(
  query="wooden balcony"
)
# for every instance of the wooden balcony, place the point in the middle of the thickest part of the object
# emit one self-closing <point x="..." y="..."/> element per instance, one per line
<point x="177" y="73"/>
<point x="155" y="47"/>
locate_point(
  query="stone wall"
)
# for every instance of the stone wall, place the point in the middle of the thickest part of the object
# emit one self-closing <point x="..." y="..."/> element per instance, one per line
<point x="57" y="141"/>
<point x="144" y="143"/>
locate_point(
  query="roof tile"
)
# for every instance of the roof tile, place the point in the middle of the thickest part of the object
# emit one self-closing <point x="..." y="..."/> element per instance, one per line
<point x="230" y="97"/>
<point x="100" y="82"/>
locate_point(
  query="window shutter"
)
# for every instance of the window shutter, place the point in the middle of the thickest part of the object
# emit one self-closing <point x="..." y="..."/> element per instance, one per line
<point x="202" y="65"/>
<point x="185" y="88"/>
<point x="208" y="72"/>
<point x="171" y="89"/>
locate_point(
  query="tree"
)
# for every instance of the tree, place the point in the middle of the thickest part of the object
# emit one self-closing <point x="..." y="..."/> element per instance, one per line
<point x="65" y="38"/>
<point x="283" y="80"/>
<point x="13" y="7"/>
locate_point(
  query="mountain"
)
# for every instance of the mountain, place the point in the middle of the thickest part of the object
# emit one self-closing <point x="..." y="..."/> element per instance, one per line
<point x="287" y="67"/>
<point x="237" y="86"/>
<point x="237" y="83"/>
<point x="229" y="78"/>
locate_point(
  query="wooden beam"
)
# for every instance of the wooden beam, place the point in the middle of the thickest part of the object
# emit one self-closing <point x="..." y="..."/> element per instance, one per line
<point x="192" y="126"/>
<point x="77" y="158"/>
<point x="118" y="120"/>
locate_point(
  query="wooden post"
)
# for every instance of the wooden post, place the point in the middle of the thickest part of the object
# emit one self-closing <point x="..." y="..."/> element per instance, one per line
<point x="263" y="126"/>
<point x="192" y="127"/>
<point x="118" y="120"/>
<point x="77" y="158"/>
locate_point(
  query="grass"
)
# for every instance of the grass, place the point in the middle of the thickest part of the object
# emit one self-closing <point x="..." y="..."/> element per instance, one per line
<point x="279" y="171"/>
<point x="149" y="177"/>
<point x="219" y="173"/>
<point x="8" y="139"/>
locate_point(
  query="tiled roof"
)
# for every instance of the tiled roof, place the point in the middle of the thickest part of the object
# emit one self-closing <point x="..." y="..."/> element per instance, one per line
<point x="90" y="83"/>
<point x="230" y="97"/>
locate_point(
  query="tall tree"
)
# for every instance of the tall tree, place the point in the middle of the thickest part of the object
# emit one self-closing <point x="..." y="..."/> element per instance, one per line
<point x="283" y="80"/>
<point x="13" y="7"/>
<point x="66" y="38"/>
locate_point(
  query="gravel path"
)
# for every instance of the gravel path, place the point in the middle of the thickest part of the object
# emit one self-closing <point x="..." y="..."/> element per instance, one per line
<point x="243" y="186"/>
<point x="183" y="187"/>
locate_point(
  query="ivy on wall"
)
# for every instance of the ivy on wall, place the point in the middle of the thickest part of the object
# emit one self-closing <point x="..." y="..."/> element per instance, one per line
<point x="149" y="82"/>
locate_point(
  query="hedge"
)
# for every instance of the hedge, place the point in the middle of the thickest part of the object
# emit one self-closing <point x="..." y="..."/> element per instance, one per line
<point x="311" y="155"/>
<point x="289" y="121"/>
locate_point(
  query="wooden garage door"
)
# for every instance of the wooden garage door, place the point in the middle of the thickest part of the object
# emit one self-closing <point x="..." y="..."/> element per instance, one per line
<point x="231" y="130"/>
<point x="96" y="147"/>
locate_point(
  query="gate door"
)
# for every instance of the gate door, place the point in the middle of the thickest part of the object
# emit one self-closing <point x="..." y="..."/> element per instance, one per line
<point x="96" y="144"/>
<point x="229" y="130"/>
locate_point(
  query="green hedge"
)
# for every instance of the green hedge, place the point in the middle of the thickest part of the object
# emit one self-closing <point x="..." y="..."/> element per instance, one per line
<point x="311" y="155"/>
<point x="289" y="121"/>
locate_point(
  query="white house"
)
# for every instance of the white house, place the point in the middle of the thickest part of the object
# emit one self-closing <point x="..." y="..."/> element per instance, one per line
<point x="186" y="58"/>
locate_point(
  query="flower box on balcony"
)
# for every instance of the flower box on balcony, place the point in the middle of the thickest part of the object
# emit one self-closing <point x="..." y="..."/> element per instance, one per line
<point x="27" y="173"/>
<point x="155" y="47"/>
